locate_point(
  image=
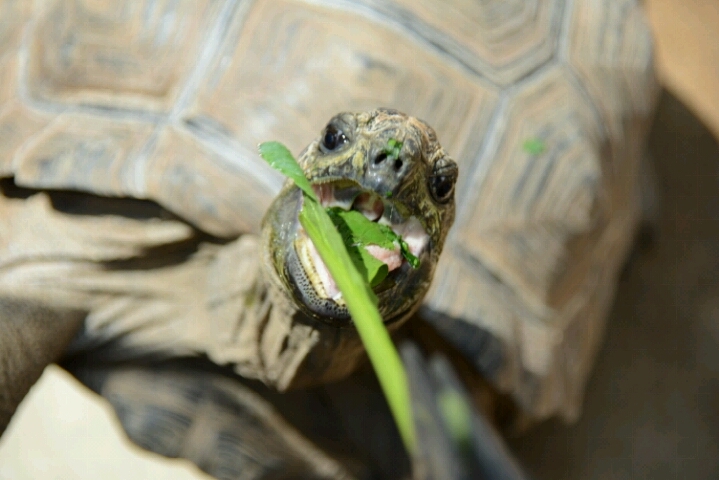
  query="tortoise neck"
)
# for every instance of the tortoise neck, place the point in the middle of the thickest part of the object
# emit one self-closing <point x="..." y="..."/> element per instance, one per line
<point x="293" y="349"/>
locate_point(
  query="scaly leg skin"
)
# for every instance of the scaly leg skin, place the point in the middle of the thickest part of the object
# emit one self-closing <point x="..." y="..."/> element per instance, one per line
<point x="31" y="337"/>
<point x="191" y="409"/>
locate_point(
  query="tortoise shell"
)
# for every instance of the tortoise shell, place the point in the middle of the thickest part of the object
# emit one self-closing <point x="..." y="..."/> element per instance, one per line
<point x="543" y="103"/>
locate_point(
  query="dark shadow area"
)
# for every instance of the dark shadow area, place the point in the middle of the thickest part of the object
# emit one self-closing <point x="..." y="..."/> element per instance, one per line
<point x="652" y="405"/>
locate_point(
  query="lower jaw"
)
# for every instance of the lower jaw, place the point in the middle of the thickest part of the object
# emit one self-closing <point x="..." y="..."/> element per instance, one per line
<point x="324" y="309"/>
<point x="315" y="271"/>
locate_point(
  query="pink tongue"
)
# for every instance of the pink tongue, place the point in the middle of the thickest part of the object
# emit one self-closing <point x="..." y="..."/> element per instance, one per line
<point x="393" y="258"/>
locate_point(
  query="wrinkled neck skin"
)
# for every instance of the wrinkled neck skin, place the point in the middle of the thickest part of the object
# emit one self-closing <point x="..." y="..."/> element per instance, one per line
<point x="296" y="349"/>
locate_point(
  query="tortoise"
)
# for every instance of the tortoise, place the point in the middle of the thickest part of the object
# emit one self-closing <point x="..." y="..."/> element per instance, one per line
<point x="129" y="177"/>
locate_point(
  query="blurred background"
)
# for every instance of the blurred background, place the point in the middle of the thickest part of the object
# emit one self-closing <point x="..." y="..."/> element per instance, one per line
<point x="652" y="403"/>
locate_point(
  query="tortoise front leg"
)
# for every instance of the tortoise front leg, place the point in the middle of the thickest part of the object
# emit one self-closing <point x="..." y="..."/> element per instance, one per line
<point x="31" y="337"/>
<point x="189" y="408"/>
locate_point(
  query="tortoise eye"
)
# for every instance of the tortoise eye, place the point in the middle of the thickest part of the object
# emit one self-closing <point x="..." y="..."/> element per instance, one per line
<point x="443" y="179"/>
<point x="333" y="138"/>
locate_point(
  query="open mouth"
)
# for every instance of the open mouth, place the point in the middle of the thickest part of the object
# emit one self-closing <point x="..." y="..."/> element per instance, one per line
<point x="348" y="195"/>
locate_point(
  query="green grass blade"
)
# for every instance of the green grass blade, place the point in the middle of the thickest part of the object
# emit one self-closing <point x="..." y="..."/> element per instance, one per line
<point x="281" y="159"/>
<point x="361" y="300"/>
<point x="362" y="305"/>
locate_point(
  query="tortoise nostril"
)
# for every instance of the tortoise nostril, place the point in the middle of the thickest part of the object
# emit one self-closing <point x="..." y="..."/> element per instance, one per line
<point x="380" y="158"/>
<point x="397" y="164"/>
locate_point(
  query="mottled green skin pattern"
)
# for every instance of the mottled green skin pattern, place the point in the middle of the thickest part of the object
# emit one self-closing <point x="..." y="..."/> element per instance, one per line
<point x="402" y="181"/>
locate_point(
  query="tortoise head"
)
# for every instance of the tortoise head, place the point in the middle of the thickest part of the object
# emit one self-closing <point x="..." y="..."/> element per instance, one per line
<point x="390" y="167"/>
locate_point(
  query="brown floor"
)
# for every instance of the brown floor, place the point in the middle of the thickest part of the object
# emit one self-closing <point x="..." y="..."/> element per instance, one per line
<point x="652" y="405"/>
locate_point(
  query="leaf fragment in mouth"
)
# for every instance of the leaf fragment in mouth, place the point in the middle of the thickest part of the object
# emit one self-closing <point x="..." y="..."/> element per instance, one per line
<point x="358" y="231"/>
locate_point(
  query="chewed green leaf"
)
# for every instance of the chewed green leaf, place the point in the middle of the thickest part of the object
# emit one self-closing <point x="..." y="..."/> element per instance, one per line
<point x="357" y="229"/>
<point x="411" y="259"/>
<point x="281" y="159"/>
<point x="373" y="270"/>
<point x="534" y="146"/>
